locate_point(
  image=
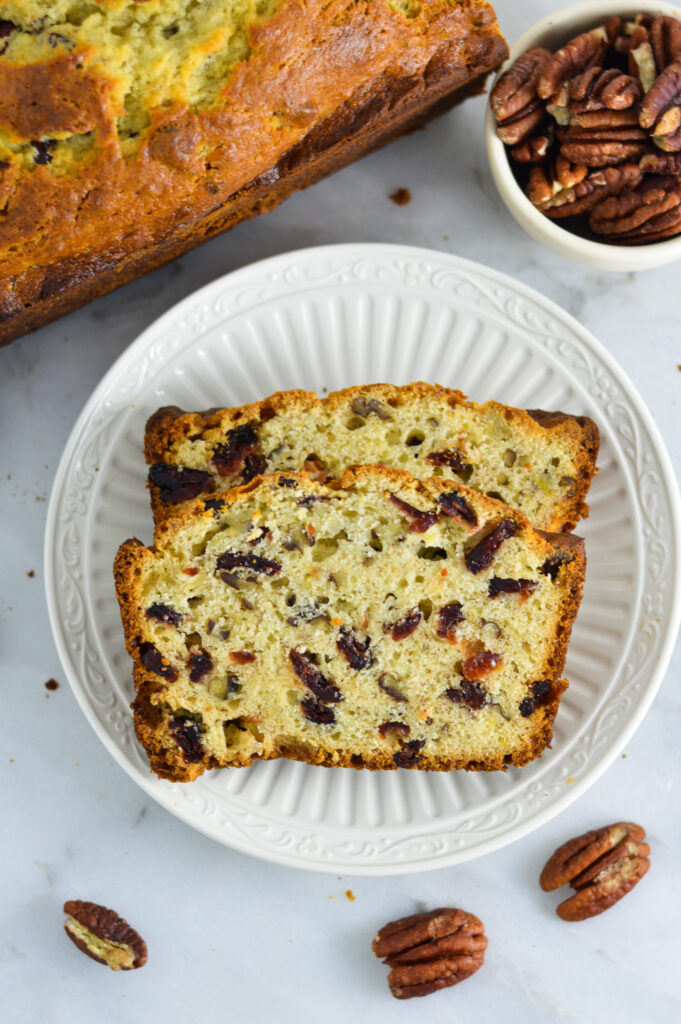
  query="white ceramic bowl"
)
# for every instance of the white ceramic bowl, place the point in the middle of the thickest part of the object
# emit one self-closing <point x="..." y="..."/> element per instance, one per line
<point x="554" y="31"/>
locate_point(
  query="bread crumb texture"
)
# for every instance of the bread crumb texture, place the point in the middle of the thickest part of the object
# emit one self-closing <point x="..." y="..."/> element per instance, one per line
<point x="377" y="622"/>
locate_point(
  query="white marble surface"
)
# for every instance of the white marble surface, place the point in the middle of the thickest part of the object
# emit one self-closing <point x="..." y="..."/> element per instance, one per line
<point x="232" y="938"/>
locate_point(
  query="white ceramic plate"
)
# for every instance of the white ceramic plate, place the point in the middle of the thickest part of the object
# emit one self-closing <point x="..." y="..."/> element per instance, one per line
<point x="325" y="319"/>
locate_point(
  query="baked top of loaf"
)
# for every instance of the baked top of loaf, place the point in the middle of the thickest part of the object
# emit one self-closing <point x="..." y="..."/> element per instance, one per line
<point x="379" y="622"/>
<point x="131" y="128"/>
<point x="541" y="463"/>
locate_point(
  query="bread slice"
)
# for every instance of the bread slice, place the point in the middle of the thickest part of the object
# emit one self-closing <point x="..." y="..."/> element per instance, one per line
<point x="376" y="622"/>
<point x="541" y="463"/>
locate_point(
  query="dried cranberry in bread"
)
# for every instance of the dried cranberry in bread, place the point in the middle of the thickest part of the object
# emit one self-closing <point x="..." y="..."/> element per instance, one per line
<point x="377" y="622"/>
<point x="132" y="130"/>
<point x="541" y="463"/>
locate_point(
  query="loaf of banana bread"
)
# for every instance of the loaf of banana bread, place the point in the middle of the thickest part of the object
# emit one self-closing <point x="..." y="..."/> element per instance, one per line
<point x="541" y="463"/>
<point x="377" y="622"/>
<point x="132" y="130"/>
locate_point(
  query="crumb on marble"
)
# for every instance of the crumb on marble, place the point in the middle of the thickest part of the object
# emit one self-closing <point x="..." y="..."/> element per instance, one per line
<point x="400" y="196"/>
<point x="51" y="684"/>
<point x="31" y="574"/>
<point x="350" y="895"/>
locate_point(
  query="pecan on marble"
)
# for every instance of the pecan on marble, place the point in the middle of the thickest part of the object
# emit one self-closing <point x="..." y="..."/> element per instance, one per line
<point x="104" y="936"/>
<point x="556" y="199"/>
<point x="430" y="951"/>
<point x="602" y="866"/>
<point x="649" y="214"/>
<point x="661" y="109"/>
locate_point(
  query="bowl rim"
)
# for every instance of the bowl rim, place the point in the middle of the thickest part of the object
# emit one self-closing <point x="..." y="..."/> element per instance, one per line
<point x="602" y="255"/>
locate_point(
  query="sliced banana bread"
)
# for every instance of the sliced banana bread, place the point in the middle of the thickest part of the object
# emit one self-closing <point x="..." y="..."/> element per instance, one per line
<point x="375" y="622"/>
<point x="541" y="463"/>
<point x="132" y="130"/>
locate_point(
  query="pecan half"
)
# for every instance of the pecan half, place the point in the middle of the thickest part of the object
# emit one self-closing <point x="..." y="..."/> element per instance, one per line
<point x="104" y="936"/>
<point x="518" y="85"/>
<point x="661" y="109"/>
<point x="604" y="90"/>
<point x="431" y="951"/>
<point x="571" y="60"/>
<point x="665" y="39"/>
<point x="602" y="866"/>
<point x="516" y="129"/>
<point x="514" y="96"/>
<point x="558" y="201"/>
<point x="604" y="146"/>
<point x="649" y="214"/>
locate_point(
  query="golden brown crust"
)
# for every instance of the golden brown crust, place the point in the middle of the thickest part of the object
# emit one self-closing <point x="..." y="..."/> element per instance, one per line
<point x="68" y="238"/>
<point x="170" y="425"/>
<point x="151" y="719"/>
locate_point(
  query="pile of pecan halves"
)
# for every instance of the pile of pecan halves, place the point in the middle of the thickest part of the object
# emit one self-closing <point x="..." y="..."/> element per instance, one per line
<point x="598" y="124"/>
